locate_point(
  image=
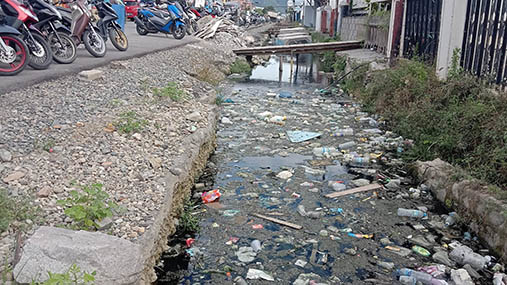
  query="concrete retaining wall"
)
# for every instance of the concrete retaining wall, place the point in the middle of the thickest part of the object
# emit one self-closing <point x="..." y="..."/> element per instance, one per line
<point x="178" y="185"/>
<point x="485" y="215"/>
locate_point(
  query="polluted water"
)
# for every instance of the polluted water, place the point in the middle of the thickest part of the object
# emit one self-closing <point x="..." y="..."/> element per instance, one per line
<point x="318" y="195"/>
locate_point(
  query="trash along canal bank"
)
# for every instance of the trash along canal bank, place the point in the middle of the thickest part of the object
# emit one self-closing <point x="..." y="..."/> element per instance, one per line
<point x="305" y="188"/>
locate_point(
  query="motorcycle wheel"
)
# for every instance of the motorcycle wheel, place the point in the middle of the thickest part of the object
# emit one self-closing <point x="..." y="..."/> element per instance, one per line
<point x="63" y="53"/>
<point x="119" y="39"/>
<point x="16" y="58"/>
<point x="40" y="52"/>
<point x="141" y="31"/>
<point x="94" y="44"/>
<point x="179" y="32"/>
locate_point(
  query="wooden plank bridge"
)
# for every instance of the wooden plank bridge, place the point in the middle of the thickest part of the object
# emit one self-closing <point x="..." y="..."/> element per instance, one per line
<point x="299" y="48"/>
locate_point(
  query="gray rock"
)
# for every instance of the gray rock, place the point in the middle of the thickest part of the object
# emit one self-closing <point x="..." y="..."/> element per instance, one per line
<point x="44" y="192"/>
<point x="194" y="117"/>
<point x="116" y="261"/>
<point x="90" y="75"/>
<point x="176" y="171"/>
<point x="104" y="223"/>
<point x="5" y="155"/>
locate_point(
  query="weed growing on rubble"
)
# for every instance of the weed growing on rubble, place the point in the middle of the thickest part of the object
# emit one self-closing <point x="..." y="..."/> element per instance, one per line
<point x="240" y="66"/>
<point x="73" y="276"/>
<point x="171" y="91"/>
<point x="129" y="122"/>
<point x="189" y="222"/>
<point x="87" y="206"/>
<point x="12" y="210"/>
<point x="459" y="120"/>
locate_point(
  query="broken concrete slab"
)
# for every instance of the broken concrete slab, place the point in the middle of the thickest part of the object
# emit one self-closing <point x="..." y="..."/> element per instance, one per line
<point x="90" y="75"/>
<point x="115" y="260"/>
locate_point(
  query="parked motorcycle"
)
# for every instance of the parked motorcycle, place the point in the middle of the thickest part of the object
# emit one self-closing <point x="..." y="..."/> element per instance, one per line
<point x="108" y="26"/>
<point x="188" y="18"/>
<point x="78" y="19"/>
<point x="63" y="48"/>
<point x="14" y="53"/>
<point x="150" y="20"/>
<point x="21" y="17"/>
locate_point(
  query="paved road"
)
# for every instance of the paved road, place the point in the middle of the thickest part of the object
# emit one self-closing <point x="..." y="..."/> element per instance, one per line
<point x="138" y="46"/>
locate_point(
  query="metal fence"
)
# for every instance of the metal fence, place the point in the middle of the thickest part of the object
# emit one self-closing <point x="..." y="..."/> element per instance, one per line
<point x="422" y="28"/>
<point x="485" y="40"/>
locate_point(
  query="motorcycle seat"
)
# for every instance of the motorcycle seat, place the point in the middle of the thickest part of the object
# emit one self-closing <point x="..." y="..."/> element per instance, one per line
<point x="160" y="14"/>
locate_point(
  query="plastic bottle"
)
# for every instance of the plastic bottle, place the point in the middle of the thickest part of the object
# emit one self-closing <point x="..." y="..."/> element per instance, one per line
<point x="421" y="250"/>
<point x="347" y="145"/>
<point x="360" y="161"/>
<point x="324" y="151"/>
<point x="343" y="132"/>
<point x="301" y="210"/>
<point x="422" y="277"/>
<point x="408" y="280"/>
<point x="451" y="219"/>
<point x="411" y="213"/>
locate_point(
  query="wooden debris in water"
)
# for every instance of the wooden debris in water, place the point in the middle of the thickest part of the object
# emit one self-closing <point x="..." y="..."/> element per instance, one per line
<point x="369" y="187"/>
<point x="275" y="220"/>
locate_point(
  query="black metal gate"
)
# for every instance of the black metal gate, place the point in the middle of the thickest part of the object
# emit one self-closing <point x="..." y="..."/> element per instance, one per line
<point x="485" y="40"/>
<point x="422" y="27"/>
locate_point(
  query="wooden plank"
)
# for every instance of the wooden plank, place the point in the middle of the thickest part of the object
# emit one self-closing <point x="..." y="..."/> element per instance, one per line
<point x="299" y="48"/>
<point x="275" y="220"/>
<point x="369" y="187"/>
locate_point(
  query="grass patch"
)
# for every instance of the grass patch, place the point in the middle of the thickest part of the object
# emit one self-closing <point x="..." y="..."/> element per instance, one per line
<point x="189" y="222"/>
<point x="458" y="120"/>
<point x="12" y="209"/>
<point x="171" y="91"/>
<point x="323" y="38"/>
<point x="240" y="66"/>
<point x="129" y="122"/>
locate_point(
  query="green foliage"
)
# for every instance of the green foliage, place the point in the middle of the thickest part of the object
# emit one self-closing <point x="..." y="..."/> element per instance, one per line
<point x="339" y="65"/>
<point x="171" y="90"/>
<point x="268" y="9"/>
<point x="129" y="122"/>
<point x="323" y="38"/>
<point x="48" y="144"/>
<point x="219" y="100"/>
<point x="73" y="276"/>
<point x="87" y="206"/>
<point x="12" y="209"/>
<point x="458" y="120"/>
<point x="189" y="222"/>
<point x="240" y="66"/>
<point x="455" y="70"/>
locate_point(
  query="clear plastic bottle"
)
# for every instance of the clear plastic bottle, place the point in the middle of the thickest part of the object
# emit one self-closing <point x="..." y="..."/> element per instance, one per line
<point x="411" y="213"/>
<point x="360" y="161"/>
<point x="324" y="151"/>
<point x="347" y="145"/>
<point x="408" y="280"/>
<point x="343" y="132"/>
<point x="451" y="219"/>
<point x="465" y="255"/>
<point x="422" y="277"/>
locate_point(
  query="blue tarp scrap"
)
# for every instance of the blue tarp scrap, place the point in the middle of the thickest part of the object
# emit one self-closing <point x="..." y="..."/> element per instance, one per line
<point x="301" y="136"/>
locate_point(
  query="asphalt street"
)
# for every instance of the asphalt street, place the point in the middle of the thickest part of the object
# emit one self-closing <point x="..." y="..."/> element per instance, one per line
<point x="138" y="46"/>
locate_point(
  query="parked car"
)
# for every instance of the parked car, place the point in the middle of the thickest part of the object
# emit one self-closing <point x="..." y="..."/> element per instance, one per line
<point x="131" y="6"/>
